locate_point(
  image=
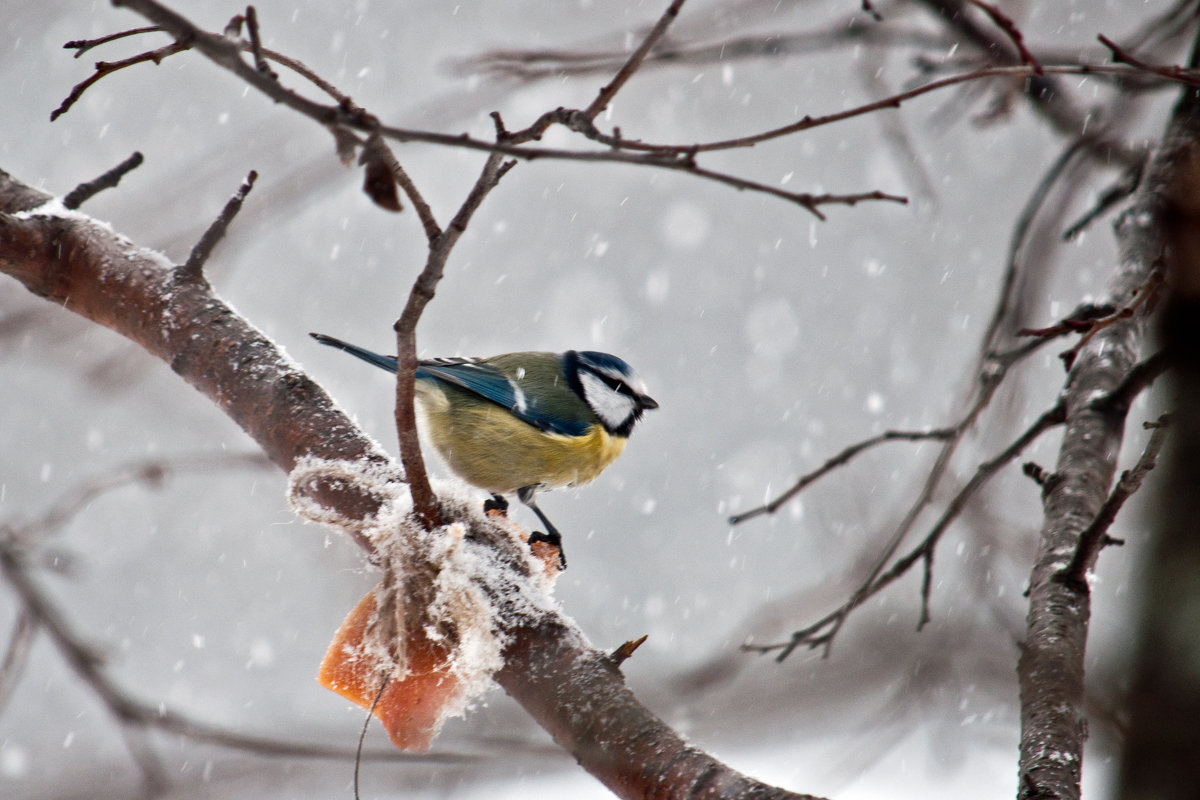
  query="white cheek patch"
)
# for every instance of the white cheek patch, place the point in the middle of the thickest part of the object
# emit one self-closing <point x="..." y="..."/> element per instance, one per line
<point x="613" y="408"/>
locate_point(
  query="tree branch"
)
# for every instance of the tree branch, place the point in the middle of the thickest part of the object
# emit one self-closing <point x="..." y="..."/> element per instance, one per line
<point x="549" y="667"/>
<point x="227" y="53"/>
<point x="1053" y="728"/>
<point x="193" y="268"/>
<point x="109" y="180"/>
<point x="423" y="290"/>
<point x="609" y="91"/>
<point x="822" y="632"/>
<point x="1095" y="536"/>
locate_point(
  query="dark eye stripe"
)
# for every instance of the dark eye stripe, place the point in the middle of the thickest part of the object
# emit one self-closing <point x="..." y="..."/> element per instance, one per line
<point x="616" y="384"/>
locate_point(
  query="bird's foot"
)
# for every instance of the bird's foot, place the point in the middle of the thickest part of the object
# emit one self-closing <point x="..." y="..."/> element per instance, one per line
<point x="554" y="539"/>
<point x="495" y="503"/>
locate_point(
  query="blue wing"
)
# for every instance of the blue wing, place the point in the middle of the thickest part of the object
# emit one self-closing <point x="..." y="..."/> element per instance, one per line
<point x="491" y="384"/>
<point x="482" y="379"/>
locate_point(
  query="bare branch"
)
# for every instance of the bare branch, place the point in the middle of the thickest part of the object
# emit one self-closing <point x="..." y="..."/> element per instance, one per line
<point x="822" y="632"/>
<point x="193" y="268"/>
<point x="1011" y="30"/>
<point x="848" y="30"/>
<point x="569" y="688"/>
<point x="609" y="91"/>
<point x="256" y="48"/>
<point x="679" y="158"/>
<point x="16" y="655"/>
<point x="81" y="46"/>
<point x="839" y="460"/>
<point x="1053" y="728"/>
<point x="1171" y="73"/>
<point x="423" y="290"/>
<point x="130" y="711"/>
<point x="1095" y="536"/>
<point x="148" y="472"/>
<point x="1053" y="101"/>
<point x="1017" y="262"/>
<point x="109" y="180"/>
<point x="1115" y="194"/>
<point x="106" y="68"/>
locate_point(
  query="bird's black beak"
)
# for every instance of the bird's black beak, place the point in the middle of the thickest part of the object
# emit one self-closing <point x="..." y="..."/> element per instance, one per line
<point x="647" y="402"/>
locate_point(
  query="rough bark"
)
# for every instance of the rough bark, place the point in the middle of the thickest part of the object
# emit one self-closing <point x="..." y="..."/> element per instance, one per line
<point x="1162" y="753"/>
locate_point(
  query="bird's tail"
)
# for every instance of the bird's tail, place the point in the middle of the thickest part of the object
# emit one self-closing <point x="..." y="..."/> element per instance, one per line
<point x="383" y="362"/>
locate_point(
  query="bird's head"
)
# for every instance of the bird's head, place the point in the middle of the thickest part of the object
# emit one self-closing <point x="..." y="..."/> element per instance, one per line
<point x="612" y="389"/>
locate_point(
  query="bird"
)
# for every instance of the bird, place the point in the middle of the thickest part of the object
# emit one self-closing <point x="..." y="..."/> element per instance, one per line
<point x="521" y="423"/>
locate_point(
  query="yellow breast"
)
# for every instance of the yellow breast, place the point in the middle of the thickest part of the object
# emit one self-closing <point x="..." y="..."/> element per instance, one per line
<point x="490" y="448"/>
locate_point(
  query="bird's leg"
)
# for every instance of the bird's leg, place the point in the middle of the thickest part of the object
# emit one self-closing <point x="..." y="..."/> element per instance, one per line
<point x="496" y="503"/>
<point x="551" y="536"/>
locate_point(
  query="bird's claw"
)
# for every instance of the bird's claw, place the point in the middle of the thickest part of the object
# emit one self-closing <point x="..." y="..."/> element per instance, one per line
<point x="495" y="503"/>
<point x="553" y="539"/>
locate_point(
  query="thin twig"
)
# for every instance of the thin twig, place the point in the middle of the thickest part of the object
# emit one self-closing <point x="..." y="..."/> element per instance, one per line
<point x="193" y="268"/>
<point x="1136" y="381"/>
<point x="128" y="710"/>
<point x="1095" y="536"/>
<point x="106" y="67"/>
<point x="1081" y="320"/>
<point x="991" y="371"/>
<point x="839" y="460"/>
<point x="620" y="655"/>
<point x="822" y="632"/>
<point x="1128" y="183"/>
<point x="81" y="46"/>
<point x="181" y="45"/>
<point x="1172" y="73"/>
<point x="109" y="180"/>
<point x="848" y="30"/>
<point x="424" y="287"/>
<point x="1007" y="298"/>
<point x="809" y="122"/>
<point x="145" y="471"/>
<point x="1011" y="30"/>
<point x="1145" y="295"/>
<point x="256" y="48"/>
<point x="635" y="60"/>
<point x="674" y="157"/>
<point x="16" y="655"/>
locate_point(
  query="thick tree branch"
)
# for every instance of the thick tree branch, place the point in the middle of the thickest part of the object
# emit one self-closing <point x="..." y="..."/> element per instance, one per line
<point x="570" y="688"/>
<point x="75" y="264"/>
<point x="1161" y="749"/>
<point x="1051" y="668"/>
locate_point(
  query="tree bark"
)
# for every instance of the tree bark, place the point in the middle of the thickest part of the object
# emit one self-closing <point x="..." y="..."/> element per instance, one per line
<point x="1162" y="754"/>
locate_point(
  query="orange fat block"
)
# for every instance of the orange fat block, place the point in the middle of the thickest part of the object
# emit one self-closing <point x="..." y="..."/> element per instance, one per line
<point x="412" y="706"/>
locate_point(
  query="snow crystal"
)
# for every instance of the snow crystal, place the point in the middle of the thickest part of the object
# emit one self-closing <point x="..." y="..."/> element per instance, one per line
<point x="478" y="588"/>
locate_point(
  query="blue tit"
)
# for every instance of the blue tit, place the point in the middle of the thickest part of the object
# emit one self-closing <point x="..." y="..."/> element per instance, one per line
<point x="523" y="422"/>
